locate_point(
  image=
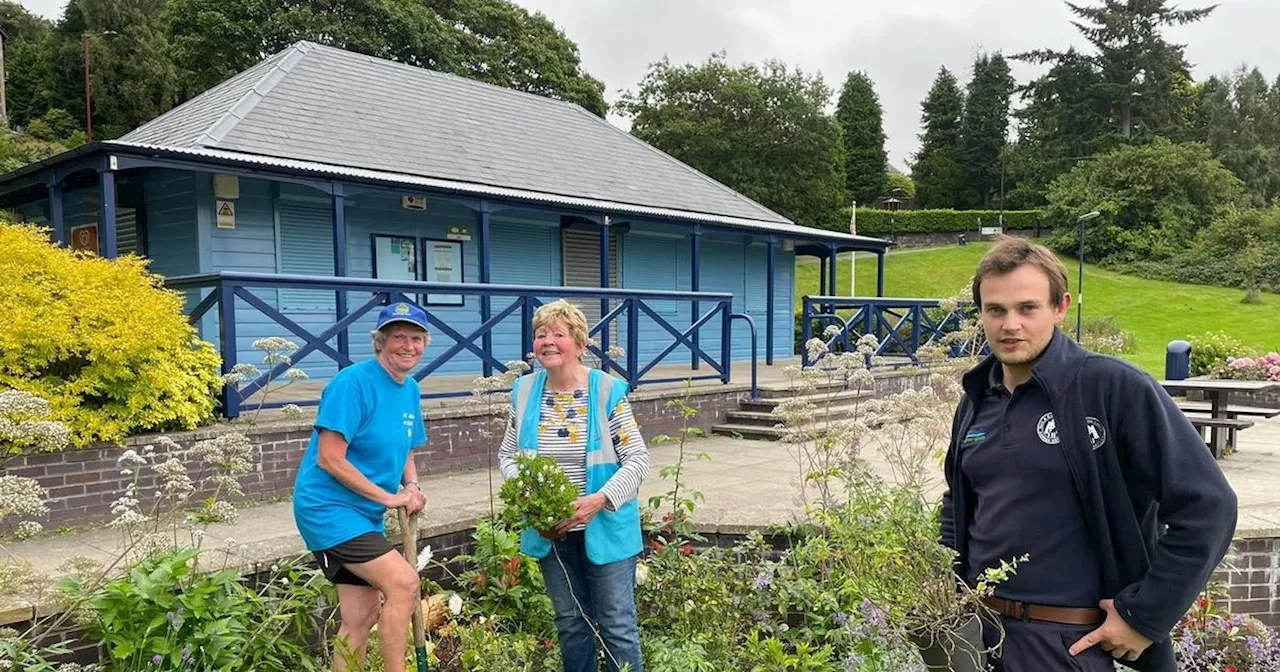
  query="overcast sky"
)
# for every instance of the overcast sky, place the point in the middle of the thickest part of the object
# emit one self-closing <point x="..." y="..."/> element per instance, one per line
<point x="899" y="44"/>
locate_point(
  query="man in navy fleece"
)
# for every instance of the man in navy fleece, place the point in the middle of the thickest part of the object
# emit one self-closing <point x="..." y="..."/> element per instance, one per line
<point x="1084" y="463"/>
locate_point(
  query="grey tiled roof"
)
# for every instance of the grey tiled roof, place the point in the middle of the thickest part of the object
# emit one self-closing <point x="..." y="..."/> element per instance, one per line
<point x="325" y="105"/>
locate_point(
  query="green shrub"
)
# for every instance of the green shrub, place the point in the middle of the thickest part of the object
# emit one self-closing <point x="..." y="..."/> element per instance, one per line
<point x="99" y="340"/>
<point x="872" y="222"/>
<point x="1209" y="352"/>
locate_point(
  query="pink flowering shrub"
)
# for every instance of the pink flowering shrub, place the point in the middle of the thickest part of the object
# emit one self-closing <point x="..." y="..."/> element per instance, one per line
<point x="1266" y="367"/>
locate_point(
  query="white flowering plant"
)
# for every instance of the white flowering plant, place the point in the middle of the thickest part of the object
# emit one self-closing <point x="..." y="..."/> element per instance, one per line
<point x="540" y="496"/>
<point x="276" y="352"/>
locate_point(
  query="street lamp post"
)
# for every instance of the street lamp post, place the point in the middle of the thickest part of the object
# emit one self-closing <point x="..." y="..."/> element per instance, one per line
<point x="1080" y="282"/>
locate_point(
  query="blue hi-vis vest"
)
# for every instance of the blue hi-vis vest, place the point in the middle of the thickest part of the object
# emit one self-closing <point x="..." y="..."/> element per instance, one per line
<point x="612" y="535"/>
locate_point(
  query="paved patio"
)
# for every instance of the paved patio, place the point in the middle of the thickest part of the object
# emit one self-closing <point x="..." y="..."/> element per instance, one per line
<point x="747" y="484"/>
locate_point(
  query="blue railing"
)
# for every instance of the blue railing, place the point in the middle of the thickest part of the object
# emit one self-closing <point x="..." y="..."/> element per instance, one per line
<point x="232" y="289"/>
<point x="901" y="326"/>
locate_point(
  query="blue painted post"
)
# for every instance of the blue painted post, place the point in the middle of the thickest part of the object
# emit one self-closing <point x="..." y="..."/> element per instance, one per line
<point x="633" y="343"/>
<point x="768" y="301"/>
<point x="726" y="338"/>
<point x="695" y="285"/>
<point x="822" y="276"/>
<point x="227" y="344"/>
<point x="1177" y="360"/>
<point x="917" y="313"/>
<point x="339" y="203"/>
<point x="486" y="339"/>
<point x="107" y="181"/>
<point x="831" y="276"/>
<point x="806" y="330"/>
<point x="526" y="326"/>
<point x="880" y="273"/>
<point x="56" y="217"/>
<point x="604" y="281"/>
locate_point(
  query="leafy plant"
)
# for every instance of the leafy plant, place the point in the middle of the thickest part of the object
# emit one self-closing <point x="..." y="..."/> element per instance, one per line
<point x="540" y="496"/>
<point x="501" y="583"/>
<point x="1211" y="639"/>
<point x="1210" y="351"/>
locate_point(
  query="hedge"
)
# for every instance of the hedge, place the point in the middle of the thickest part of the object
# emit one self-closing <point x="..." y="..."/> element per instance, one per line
<point x="885" y="222"/>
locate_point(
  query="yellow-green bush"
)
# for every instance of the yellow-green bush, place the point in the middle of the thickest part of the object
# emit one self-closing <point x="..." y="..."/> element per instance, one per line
<point x="100" y="340"/>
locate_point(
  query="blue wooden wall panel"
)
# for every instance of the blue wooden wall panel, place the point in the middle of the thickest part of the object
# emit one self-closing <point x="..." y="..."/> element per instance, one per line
<point x="526" y="248"/>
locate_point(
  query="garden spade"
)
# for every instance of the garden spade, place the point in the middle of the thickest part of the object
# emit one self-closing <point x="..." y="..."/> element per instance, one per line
<point x="409" y="528"/>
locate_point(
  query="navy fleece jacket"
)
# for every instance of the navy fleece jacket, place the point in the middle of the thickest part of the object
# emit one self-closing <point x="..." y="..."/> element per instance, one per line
<point x="1156" y="502"/>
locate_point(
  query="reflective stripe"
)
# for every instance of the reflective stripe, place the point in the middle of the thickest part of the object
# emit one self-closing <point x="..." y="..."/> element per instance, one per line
<point x="603" y="452"/>
<point x="522" y="402"/>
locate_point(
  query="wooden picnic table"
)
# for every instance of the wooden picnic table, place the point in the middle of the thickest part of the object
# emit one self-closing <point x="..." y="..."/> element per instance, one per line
<point x="1217" y="391"/>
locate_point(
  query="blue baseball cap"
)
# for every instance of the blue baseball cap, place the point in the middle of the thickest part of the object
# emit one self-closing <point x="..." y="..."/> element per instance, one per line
<point x="402" y="311"/>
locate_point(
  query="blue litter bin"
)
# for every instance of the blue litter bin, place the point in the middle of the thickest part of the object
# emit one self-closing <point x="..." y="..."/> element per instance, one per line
<point x="1177" y="360"/>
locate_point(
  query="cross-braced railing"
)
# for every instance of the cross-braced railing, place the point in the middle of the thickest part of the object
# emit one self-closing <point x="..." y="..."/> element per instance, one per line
<point x="901" y="326"/>
<point x="229" y="292"/>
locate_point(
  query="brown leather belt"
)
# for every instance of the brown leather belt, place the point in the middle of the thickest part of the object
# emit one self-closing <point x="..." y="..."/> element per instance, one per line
<point x="1038" y="612"/>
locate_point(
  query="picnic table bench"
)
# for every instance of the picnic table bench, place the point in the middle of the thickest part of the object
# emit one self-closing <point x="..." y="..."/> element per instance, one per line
<point x="1223" y="424"/>
<point x="1232" y="411"/>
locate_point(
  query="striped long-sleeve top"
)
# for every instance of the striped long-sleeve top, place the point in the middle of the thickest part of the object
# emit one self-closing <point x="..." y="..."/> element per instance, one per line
<point x="562" y="434"/>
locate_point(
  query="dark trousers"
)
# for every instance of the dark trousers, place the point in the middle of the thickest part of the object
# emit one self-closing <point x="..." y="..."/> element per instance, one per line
<point x="1037" y="646"/>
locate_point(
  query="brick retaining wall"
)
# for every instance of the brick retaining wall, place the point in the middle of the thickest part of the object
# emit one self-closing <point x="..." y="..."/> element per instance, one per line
<point x="83" y="483"/>
<point x="1252" y="576"/>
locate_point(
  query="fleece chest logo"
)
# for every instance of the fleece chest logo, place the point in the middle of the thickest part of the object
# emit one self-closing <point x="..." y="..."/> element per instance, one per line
<point x="1047" y="429"/>
<point x="974" y="436"/>
<point x="1097" y="432"/>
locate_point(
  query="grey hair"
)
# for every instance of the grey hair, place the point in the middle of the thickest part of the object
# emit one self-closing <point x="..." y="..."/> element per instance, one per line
<point x="380" y="340"/>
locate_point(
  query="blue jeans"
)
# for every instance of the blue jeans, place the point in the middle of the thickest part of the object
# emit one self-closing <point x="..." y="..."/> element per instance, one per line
<point x="606" y="593"/>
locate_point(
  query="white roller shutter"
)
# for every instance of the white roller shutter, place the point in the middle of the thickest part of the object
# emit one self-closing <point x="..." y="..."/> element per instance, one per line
<point x="581" y="257"/>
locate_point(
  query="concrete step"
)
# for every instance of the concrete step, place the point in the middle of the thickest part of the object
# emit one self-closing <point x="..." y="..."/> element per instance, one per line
<point x="768" y="419"/>
<point x="785" y="391"/>
<point x="760" y="432"/>
<point x="767" y="404"/>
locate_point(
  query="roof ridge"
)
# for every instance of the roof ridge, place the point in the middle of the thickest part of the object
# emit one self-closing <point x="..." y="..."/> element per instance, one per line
<point x="237" y="112"/>
<point x="705" y="177"/>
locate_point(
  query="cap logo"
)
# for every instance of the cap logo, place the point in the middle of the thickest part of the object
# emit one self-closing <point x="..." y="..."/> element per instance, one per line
<point x="402" y="309"/>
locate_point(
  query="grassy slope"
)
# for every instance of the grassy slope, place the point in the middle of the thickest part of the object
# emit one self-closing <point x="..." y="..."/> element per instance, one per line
<point x="1155" y="312"/>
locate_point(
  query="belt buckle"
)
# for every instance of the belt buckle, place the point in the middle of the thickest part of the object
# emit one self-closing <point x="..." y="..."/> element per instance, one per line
<point x="1021" y="611"/>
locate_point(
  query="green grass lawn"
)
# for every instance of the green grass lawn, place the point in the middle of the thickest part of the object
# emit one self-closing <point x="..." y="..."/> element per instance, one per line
<point x="1155" y="312"/>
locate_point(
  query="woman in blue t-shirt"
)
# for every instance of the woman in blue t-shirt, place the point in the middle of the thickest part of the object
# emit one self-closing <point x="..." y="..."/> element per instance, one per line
<point x="358" y="465"/>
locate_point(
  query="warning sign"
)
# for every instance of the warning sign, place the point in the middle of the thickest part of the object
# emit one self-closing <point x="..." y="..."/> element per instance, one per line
<point x="226" y="214"/>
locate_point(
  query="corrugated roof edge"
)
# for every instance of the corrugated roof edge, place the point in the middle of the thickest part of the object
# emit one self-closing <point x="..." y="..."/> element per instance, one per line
<point x="220" y="128"/>
<point x="471" y="188"/>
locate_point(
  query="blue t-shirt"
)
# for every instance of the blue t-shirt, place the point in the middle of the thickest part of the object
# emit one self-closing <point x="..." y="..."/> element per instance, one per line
<point x="381" y="421"/>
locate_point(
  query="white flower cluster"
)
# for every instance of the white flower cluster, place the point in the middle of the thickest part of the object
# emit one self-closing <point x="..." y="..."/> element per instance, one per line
<point x="225" y="512"/>
<point x="241" y="373"/>
<point x="275" y="344"/>
<point x="291" y="411"/>
<point x="18" y="405"/>
<point x="174" y="480"/>
<point x="21" y="497"/>
<point x="25" y="424"/>
<point x="28" y="529"/>
<point x="231" y="452"/>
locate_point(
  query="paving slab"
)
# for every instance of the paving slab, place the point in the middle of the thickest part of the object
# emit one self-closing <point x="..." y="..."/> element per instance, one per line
<point x="747" y="485"/>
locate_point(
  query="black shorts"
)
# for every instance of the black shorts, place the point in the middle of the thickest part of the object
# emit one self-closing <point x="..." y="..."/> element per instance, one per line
<point x="364" y="548"/>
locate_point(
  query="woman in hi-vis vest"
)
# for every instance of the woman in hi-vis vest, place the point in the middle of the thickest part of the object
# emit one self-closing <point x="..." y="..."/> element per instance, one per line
<point x="580" y="417"/>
